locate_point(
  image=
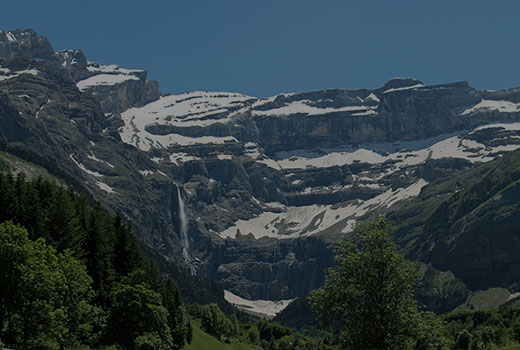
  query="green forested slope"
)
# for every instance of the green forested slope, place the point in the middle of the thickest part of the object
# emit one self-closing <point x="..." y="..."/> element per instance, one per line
<point x="65" y="262"/>
<point x="469" y="225"/>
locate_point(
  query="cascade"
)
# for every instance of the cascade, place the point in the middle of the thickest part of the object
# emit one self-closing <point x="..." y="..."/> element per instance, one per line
<point x="184" y="231"/>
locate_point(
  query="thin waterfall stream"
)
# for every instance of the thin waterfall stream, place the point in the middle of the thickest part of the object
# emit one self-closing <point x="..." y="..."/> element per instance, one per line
<point x="184" y="232"/>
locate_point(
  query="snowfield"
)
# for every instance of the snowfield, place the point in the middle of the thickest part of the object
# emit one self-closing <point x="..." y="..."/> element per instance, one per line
<point x="264" y="308"/>
<point x="312" y="219"/>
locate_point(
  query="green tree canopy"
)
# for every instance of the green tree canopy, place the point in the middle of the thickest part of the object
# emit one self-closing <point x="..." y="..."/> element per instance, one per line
<point x="138" y="317"/>
<point x="45" y="297"/>
<point x="368" y="294"/>
<point x="214" y="322"/>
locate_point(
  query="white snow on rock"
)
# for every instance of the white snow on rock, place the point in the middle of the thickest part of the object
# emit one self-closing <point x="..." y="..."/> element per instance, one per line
<point x="104" y="187"/>
<point x="181" y="157"/>
<point x="402" y="153"/>
<point x="224" y="156"/>
<point x="93" y="157"/>
<point x="312" y="219"/>
<point x="490" y="105"/>
<point x="305" y="107"/>
<point x="84" y="169"/>
<point x="190" y="109"/>
<point x="146" y="172"/>
<point x="10" y="37"/>
<point x="18" y="73"/>
<point x="197" y="108"/>
<point x="372" y="97"/>
<point x="104" y="79"/>
<point x="263" y="308"/>
<point x="111" y="68"/>
<point x="404" y="88"/>
<point x="107" y="75"/>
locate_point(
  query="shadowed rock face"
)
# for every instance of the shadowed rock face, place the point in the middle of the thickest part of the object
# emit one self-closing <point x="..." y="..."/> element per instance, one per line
<point x="299" y="168"/>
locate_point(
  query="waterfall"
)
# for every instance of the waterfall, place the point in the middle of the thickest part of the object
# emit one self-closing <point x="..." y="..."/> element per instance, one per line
<point x="184" y="231"/>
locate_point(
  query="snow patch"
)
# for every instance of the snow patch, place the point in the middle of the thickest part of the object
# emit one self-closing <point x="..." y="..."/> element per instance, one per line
<point x="93" y="157"/>
<point x="111" y="68"/>
<point x="104" y="186"/>
<point x="84" y="169"/>
<point x="18" y="73"/>
<point x="305" y="107"/>
<point x="181" y="157"/>
<point x="267" y="308"/>
<point x="404" y="88"/>
<point x="104" y="79"/>
<point x="400" y="154"/>
<point x="309" y="220"/>
<point x="490" y="105"/>
<point x="10" y="37"/>
<point x="224" y="156"/>
<point x="372" y="97"/>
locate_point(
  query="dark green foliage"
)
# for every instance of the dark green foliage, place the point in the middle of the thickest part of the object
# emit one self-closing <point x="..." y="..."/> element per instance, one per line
<point x="47" y="293"/>
<point x="178" y="320"/>
<point x="463" y="340"/>
<point x="270" y="330"/>
<point x="484" y="329"/>
<point x="214" y="322"/>
<point x="253" y="336"/>
<point x="369" y="293"/>
<point x="46" y="297"/>
<point x="127" y="256"/>
<point x="440" y="291"/>
<point x="138" y="319"/>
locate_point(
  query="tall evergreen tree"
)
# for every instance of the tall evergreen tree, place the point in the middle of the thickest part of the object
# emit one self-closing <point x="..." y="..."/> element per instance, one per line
<point x="99" y="252"/>
<point x="127" y="257"/>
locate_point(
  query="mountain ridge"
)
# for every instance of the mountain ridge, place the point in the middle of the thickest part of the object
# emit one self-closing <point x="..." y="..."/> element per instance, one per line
<point x="268" y="183"/>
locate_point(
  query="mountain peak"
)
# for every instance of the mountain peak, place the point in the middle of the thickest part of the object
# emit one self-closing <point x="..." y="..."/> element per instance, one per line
<point x="24" y="43"/>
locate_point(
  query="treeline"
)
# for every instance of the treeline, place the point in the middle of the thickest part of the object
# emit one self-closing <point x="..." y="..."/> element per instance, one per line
<point x="259" y="332"/>
<point x="484" y="329"/>
<point x="73" y="276"/>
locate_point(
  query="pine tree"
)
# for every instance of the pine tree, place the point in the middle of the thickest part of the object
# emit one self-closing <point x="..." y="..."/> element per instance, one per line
<point x="127" y="257"/>
<point x="99" y="252"/>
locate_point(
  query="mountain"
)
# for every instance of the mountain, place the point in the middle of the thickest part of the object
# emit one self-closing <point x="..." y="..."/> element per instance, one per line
<point x="266" y="184"/>
<point x="475" y="233"/>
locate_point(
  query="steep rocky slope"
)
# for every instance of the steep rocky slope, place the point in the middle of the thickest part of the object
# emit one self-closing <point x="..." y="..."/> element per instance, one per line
<point x="266" y="184"/>
<point x="476" y="232"/>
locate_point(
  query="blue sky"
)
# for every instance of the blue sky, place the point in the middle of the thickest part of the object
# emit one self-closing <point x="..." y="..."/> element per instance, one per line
<point x="262" y="48"/>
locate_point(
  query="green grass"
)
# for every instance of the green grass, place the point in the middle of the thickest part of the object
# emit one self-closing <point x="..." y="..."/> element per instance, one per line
<point x="202" y="341"/>
<point x="511" y="347"/>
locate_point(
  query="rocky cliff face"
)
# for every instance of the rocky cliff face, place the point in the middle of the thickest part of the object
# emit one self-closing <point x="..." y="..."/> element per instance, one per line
<point x="268" y="183"/>
<point x="115" y="88"/>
